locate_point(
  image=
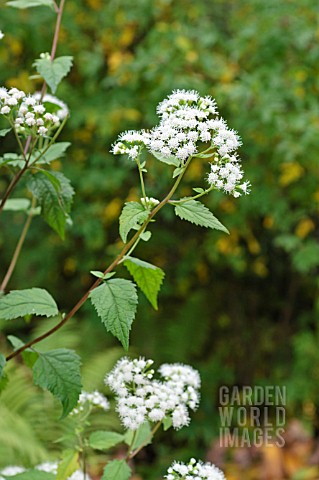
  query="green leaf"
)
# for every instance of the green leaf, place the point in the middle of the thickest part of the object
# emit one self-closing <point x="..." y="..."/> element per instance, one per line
<point x="55" y="151"/>
<point x="55" y="205"/>
<point x="17" y="204"/>
<point x="169" y="160"/>
<point x="30" y="3"/>
<point x="132" y="217"/>
<point x="55" y="182"/>
<point x="31" y="301"/>
<point x="53" y="72"/>
<point x="177" y="171"/>
<point x="59" y="372"/>
<point x="68" y="465"/>
<point x="145" y="236"/>
<point x="99" y="274"/>
<point x="148" y="277"/>
<point x="4" y="132"/>
<point x="2" y="364"/>
<point x="31" y="475"/>
<point x="29" y="356"/>
<point x="101" y="440"/>
<point x="195" y="212"/>
<point x="167" y="423"/>
<point x="12" y="159"/>
<point x="199" y="190"/>
<point x="116" y="470"/>
<point x="115" y="302"/>
<point x="143" y="436"/>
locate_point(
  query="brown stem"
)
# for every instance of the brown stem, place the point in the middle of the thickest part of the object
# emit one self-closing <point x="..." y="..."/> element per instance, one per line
<point x="17" y="250"/>
<point x="133" y="454"/>
<point x="125" y="249"/>
<point x="13" y="183"/>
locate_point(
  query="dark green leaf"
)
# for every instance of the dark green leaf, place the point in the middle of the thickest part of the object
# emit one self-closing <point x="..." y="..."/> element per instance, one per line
<point x="54" y="152"/>
<point x="116" y="470"/>
<point x="148" y="277"/>
<point x="32" y="301"/>
<point x="143" y="436"/>
<point x="59" y="372"/>
<point x="55" y="205"/>
<point x="101" y="440"/>
<point x="2" y="364"/>
<point x="53" y="72"/>
<point x="115" y="302"/>
<point x="195" y="212"/>
<point x="132" y="217"/>
<point x="29" y="356"/>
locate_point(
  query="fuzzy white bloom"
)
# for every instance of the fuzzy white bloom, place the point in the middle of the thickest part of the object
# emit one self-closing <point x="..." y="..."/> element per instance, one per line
<point x="94" y="399"/>
<point x="140" y="397"/>
<point x="52" y="467"/>
<point x="130" y="143"/>
<point x="53" y="104"/>
<point x="10" y="471"/>
<point x="1" y="34"/>
<point x="226" y="174"/>
<point x="27" y="112"/>
<point x="149" y="202"/>
<point x="194" y="470"/>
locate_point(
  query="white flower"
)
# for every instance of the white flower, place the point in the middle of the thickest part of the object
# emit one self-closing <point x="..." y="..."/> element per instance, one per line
<point x="10" y="471"/>
<point x="53" y="104"/>
<point x="226" y="174"/>
<point x="194" y="470"/>
<point x="149" y="202"/>
<point x="1" y="34"/>
<point x="130" y="143"/>
<point x="94" y="399"/>
<point x="140" y="397"/>
<point x="42" y="131"/>
<point x="52" y="467"/>
<point x="5" y="110"/>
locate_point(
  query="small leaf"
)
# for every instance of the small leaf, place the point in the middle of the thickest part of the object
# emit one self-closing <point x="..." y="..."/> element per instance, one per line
<point x="54" y="152"/>
<point x="31" y="475"/>
<point x="195" y="212"/>
<point x="148" y="277"/>
<point x="32" y="301"/>
<point x="30" y="3"/>
<point x="101" y="440"/>
<point x="12" y="159"/>
<point x="116" y="470"/>
<point x="55" y="204"/>
<point x="17" y="204"/>
<point x="169" y="160"/>
<point x="115" y="302"/>
<point x="132" y="217"/>
<point x="53" y="72"/>
<point x="68" y="465"/>
<point x="199" y="190"/>
<point x="4" y="132"/>
<point x="145" y="236"/>
<point x="177" y="171"/>
<point x="143" y="436"/>
<point x="99" y="274"/>
<point x="59" y="372"/>
<point x="167" y="423"/>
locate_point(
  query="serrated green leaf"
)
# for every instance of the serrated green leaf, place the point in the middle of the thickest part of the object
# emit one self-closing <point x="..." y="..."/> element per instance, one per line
<point x="132" y="217"/>
<point x="31" y="475"/>
<point x="4" y="132"/>
<point x="53" y="179"/>
<point x="54" y="152"/>
<point x="55" y="205"/>
<point x="195" y="212"/>
<point x="53" y="72"/>
<point x="102" y="440"/>
<point x="116" y="470"/>
<point x="30" y="3"/>
<point x="142" y="436"/>
<point x="115" y="302"/>
<point x="68" y="465"/>
<point x="59" y="372"/>
<point x="169" y="160"/>
<point x="147" y="276"/>
<point x="17" y="204"/>
<point x="32" y="301"/>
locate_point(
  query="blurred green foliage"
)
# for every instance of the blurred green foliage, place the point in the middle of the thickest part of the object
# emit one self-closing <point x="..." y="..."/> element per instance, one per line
<point x="240" y="308"/>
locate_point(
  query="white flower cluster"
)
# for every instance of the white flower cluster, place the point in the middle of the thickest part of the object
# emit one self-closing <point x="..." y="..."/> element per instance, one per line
<point x="140" y="397"/>
<point x="188" y="122"/>
<point x="94" y="399"/>
<point x="28" y="114"/>
<point x="49" y="467"/>
<point x="130" y="143"/>
<point x="53" y="104"/>
<point x="1" y="34"/>
<point x="149" y="202"/>
<point x="194" y="470"/>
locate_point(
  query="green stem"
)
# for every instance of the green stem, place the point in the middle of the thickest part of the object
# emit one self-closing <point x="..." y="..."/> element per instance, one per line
<point x="18" y="248"/>
<point x="133" y="454"/>
<point x="117" y="260"/>
<point x="141" y="177"/>
<point x="182" y="200"/>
